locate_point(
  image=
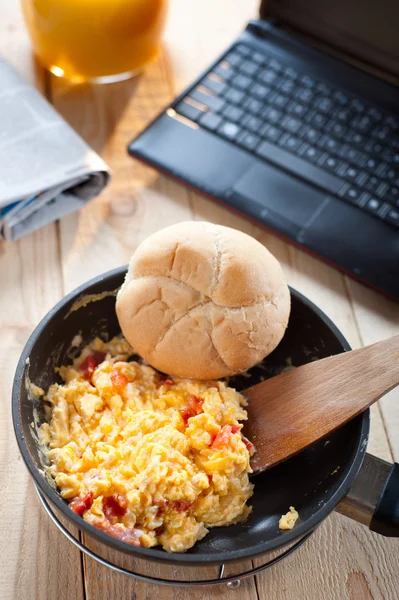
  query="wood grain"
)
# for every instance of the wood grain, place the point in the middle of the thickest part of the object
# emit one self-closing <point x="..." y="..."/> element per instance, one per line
<point x="289" y="412"/>
<point x="343" y="561"/>
<point x="36" y="562"/>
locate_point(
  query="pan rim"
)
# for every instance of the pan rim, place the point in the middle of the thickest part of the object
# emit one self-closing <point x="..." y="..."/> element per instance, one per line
<point x="153" y="553"/>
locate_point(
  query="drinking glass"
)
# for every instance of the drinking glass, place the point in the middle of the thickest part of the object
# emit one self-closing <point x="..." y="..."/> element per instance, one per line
<point x="103" y="40"/>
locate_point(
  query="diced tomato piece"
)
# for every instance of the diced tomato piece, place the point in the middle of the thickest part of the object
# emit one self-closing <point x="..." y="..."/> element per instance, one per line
<point x="80" y="505"/>
<point x="91" y="362"/>
<point x="182" y="505"/>
<point x="249" y="445"/>
<point x="130" y="536"/>
<point x="119" y="380"/>
<point x="163" y="380"/>
<point x="235" y="428"/>
<point x="193" y="408"/>
<point x="222" y="437"/>
<point x="114" y="506"/>
<point x="162" y="505"/>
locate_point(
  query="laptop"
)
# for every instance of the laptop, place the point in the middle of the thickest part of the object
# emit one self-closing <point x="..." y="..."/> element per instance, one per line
<point x="296" y="125"/>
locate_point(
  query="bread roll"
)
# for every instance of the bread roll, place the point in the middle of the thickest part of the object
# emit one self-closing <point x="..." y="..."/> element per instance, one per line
<point x="202" y="301"/>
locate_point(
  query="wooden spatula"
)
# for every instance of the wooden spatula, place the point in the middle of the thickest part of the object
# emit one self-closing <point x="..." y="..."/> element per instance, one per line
<point x="289" y="412"/>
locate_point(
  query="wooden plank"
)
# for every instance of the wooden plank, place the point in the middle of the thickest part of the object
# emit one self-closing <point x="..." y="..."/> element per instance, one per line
<point x="377" y="319"/>
<point x="37" y="562"/>
<point x="341" y="561"/>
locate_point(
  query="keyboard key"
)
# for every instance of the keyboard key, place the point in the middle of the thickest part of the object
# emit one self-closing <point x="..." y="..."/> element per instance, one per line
<point x="286" y="85"/>
<point x="253" y="123"/>
<point x="392" y="217"/>
<point x="210" y="121"/>
<point x="214" y="103"/>
<point x="275" y="65"/>
<point x="248" y="140"/>
<point x="242" y="49"/>
<point x="381" y="133"/>
<point x="351" y="193"/>
<point x="310" y="153"/>
<point x="324" y="104"/>
<point x="296" y="109"/>
<point x="352" y="155"/>
<point x="260" y="91"/>
<point x="291" y="73"/>
<point x="356" y="138"/>
<point x="330" y="144"/>
<point x="279" y="100"/>
<point x="395" y="158"/>
<point x="234" y="96"/>
<point x="374" y="114"/>
<point x="233" y="58"/>
<point x="344" y="115"/>
<point x="349" y="172"/>
<point x="357" y="105"/>
<point x="309" y="134"/>
<point x="391" y="174"/>
<point x="271" y="133"/>
<point x="258" y="57"/>
<point x="373" y="147"/>
<point x="316" y="119"/>
<point x="299" y="167"/>
<point x="341" y="98"/>
<point x="233" y="113"/>
<point x="229" y="130"/>
<point x="189" y="111"/>
<point x="214" y="85"/>
<point x="241" y="81"/>
<point x="254" y="106"/>
<point x="329" y="162"/>
<point x="224" y="71"/>
<point x="383" y="169"/>
<point x="362" y="124"/>
<point x="391" y="122"/>
<point x="371" y="183"/>
<point x="381" y="190"/>
<point x="392" y="196"/>
<point x="290" y="124"/>
<point x="338" y="130"/>
<point x="272" y="114"/>
<point x="307" y="81"/>
<point x="371" y="164"/>
<point x="267" y="76"/>
<point x="290" y="142"/>
<point x="304" y="95"/>
<point x="373" y="205"/>
<point x="248" y="67"/>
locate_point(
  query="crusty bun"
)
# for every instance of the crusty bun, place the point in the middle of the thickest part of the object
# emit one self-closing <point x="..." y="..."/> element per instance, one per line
<point x="202" y="301"/>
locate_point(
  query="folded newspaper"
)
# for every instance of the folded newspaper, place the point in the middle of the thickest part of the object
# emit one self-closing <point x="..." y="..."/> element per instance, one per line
<point x="46" y="169"/>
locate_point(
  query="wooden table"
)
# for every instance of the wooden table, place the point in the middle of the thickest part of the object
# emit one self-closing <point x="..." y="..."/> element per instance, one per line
<point x="343" y="560"/>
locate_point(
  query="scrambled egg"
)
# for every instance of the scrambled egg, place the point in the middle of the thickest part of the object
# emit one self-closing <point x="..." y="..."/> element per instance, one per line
<point x="288" y="521"/>
<point x="149" y="460"/>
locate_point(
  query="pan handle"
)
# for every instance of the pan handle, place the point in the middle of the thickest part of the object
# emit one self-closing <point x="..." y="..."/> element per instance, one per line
<point x="374" y="497"/>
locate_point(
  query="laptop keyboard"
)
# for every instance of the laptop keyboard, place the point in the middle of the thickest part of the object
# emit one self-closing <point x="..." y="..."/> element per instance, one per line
<point x="301" y="124"/>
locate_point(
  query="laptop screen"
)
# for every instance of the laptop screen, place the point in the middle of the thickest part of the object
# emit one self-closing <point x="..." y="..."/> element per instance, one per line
<point x="367" y="29"/>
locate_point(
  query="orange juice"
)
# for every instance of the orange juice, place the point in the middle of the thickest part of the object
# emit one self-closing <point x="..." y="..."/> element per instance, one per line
<point x="95" y="39"/>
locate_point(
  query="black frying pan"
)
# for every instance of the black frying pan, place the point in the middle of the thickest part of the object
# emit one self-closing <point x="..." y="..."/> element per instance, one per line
<point x="314" y="481"/>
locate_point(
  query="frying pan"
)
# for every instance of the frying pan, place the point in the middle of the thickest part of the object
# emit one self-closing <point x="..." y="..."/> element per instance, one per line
<point x="314" y="481"/>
